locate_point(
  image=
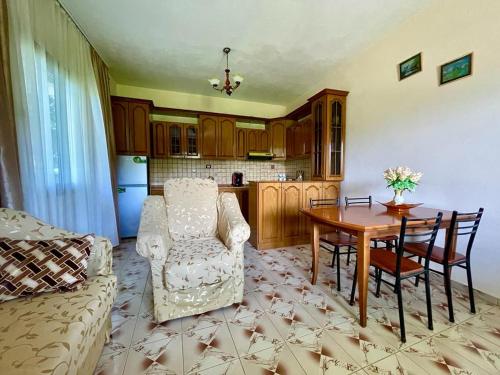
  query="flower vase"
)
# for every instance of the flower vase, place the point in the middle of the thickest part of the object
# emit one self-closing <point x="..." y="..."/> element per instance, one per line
<point x="398" y="197"/>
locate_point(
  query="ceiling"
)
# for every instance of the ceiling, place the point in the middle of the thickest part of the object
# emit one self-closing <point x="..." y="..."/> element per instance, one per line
<point x="280" y="47"/>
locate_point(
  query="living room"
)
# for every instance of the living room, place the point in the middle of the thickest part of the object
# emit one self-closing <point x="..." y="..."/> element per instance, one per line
<point x="257" y="187"/>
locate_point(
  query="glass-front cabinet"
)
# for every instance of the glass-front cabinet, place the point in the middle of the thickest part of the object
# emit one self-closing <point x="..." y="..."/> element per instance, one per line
<point x="328" y="109"/>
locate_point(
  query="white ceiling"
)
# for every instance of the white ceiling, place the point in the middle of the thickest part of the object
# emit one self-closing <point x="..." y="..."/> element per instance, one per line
<point x="281" y="47"/>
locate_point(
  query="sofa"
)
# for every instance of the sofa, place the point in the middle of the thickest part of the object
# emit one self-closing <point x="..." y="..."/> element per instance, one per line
<point x="56" y="333"/>
<point x="193" y="238"/>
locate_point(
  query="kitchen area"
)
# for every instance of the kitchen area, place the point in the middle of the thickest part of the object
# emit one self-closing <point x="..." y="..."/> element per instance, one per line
<point x="274" y="166"/>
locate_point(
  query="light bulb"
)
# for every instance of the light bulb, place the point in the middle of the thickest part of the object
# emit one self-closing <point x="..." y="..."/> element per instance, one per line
<point x="214" y="81"/>
<point x="237" y="78"/>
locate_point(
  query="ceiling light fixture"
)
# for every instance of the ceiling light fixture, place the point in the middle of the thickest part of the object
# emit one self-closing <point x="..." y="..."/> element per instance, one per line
<point x="228" y="88"/>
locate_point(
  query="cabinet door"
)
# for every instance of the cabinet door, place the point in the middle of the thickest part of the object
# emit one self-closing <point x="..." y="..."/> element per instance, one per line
<point x="306" y="132"/>
<point x="120" y="126"/>
<point x="265" y="141"/>
<point x="298" y="140"/>
<point x="291" y="202"/>
<point x="208" y="128"/>
<point x="331" y="190"/>
<point x="226" y="149"/>
<point x="175" y="140"/>
<point x="278" y="136"/>
<point x="139" y="128"/>
<point x="270" y="212"/>
<point x="310" y="190"/>
<point x="160" y="139"/>
<point x="191" y="141"/>
<point x="318" y="136"/>
<point x="253" y="140"/>
<point x="241" y="143"/>
<point x="335" y="137"/>
<point x="289" y="143"/>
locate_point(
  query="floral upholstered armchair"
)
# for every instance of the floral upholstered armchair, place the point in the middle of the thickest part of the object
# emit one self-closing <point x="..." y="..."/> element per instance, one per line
<point x="193" y="238"/>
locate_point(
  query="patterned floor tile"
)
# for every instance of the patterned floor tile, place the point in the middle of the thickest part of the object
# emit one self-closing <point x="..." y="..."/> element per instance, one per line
<point x="111" y="363"/>
<point x="229" y="368"/>
<point x="159" y="357"/>
<point x="123" y="325"/>
<point x="274" y="360"/>
<point x="147" y="330"/>
<point x="395" y="365"/>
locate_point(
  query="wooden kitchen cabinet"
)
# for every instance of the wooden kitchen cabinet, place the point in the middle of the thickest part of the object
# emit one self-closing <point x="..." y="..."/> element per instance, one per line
<point x="291" y="203"/>
<point x="217" y="137"/>
<point x="266" y="200"/>
<point x="290" y="143"/>
<point x="241" y="143"/>
<point x="278" y="139"/>
<point x="328" y="132"/>
<point x="175" y="140"/>
<point x="310" y="190"/>
<point x="131" y="126"/>
<point x="298" y="140"/>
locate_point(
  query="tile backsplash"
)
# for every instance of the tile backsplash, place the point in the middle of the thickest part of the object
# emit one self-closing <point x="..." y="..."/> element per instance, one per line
<point x="222" y="170"/>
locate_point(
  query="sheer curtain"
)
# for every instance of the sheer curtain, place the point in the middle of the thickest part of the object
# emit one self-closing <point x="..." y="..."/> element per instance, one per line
<point x="61" y="138"/>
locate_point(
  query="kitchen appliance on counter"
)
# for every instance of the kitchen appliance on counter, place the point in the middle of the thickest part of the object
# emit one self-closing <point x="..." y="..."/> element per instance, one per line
<point x="132" y="176"/>
<point x="237" y="179"/>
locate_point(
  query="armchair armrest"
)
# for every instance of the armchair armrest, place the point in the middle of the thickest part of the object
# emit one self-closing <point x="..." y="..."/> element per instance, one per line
<point x="232" y="227"/>
<point x="153" y="239"/>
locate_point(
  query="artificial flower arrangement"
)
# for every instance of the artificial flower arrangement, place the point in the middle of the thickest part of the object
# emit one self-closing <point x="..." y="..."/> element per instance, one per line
<point x="401" y="179"/>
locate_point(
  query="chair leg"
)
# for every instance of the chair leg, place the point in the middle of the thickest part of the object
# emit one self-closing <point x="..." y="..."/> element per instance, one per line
<point x="471" y="289"/>
<point x="428" y="300"/>
<point x="354" y="281"/>
<point x="401" y="312"/>
<point x="338" y="269"/>
<point x="379" y="281"/>
<point x="348" y="255"/>
<point x="375" y="244"/>
<point x="418" y="276"/>
<point x="334" y="256"/>
<point x="447" y="287"/>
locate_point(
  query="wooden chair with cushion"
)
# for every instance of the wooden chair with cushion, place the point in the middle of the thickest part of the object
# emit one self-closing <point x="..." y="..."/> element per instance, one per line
<point x="337" y="240"/>
<point x="422" y="231"/>
<point x="462" y="224"/>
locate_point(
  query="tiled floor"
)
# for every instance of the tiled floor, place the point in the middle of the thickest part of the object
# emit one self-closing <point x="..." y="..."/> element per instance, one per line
<point x="285" y="325"/>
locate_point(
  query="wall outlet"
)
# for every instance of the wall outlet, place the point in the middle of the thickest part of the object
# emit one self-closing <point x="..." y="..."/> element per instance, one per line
<point x="272" y="166"/>
<point x="208" y="166"/>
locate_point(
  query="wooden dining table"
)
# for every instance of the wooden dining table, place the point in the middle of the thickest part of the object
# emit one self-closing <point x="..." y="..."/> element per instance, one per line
<point x="364" y="222"/>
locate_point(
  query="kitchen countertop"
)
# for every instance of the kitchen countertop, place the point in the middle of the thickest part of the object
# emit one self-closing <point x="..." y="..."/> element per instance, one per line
<point x="245" y="186"/>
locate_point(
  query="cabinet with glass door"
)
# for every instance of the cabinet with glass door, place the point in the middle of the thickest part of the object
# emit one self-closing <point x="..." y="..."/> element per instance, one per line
<point x="328" y="110"/>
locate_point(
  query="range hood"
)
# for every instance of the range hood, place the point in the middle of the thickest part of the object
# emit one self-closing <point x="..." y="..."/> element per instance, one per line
<point x="254" y="155"/>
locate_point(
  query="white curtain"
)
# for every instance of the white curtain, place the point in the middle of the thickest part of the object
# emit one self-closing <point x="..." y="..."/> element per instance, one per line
<point x="62" y="143"/>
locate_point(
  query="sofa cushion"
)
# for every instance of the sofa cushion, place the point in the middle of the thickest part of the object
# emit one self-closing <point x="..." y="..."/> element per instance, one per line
<point x="191" y="208"/>
<point x="195" y="263"/>
<point x="53" y="333"/>
<point x="34" y="266"/>
<point x="19" y="225"/>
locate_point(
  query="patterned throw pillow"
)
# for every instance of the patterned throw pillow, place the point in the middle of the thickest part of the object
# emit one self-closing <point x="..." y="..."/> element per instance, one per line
<point x="30" y="267"/>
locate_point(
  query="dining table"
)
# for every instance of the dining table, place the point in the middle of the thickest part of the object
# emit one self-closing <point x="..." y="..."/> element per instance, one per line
<point x="366" y="222"/>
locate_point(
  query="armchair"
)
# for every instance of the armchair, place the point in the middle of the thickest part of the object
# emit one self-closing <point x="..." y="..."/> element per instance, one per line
<point x="193" y="238"/>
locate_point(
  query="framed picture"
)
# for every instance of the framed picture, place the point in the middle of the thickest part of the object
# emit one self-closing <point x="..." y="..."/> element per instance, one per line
<point x="456" y="69"/>
<point x="410" y="67"/>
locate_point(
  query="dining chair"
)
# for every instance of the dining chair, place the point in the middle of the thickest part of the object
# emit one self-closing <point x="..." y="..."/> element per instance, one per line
<point x="337" y="239"/>
<point x="422" y="231"/>
<point x="390" y="241"/>
<point x="462" y="224"/>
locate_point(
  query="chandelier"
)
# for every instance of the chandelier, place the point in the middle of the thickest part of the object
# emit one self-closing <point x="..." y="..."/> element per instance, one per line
<point x="228" y="88"/>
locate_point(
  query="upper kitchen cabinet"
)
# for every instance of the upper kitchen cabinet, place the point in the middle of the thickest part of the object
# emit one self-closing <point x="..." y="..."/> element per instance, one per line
<point x="217" y="137"/>
<point x="131" y="126"/>
<point x="278" y="139"/>
<point x="298" y="139"/>
<point x="176" y="140"/>
<point x="328" y="110"/>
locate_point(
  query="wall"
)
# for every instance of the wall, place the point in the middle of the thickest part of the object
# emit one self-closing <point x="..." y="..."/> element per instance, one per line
<point x="451" y="133"/>
<point x="222" y="170"/>
<point x="172" y="99"/>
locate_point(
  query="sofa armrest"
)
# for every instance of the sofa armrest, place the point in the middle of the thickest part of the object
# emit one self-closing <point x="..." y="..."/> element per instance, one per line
<point x="101" y="258"/>
<point x="153" y="239"/>
<point x="232" y="227"/>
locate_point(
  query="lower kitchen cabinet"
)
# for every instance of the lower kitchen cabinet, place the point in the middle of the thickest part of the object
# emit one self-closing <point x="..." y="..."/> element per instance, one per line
<point x="274" y="216"/>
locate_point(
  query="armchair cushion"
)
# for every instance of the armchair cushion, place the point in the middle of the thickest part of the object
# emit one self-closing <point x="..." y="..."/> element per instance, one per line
<point x="191" y="208"/>
<point x="196" y="263"/>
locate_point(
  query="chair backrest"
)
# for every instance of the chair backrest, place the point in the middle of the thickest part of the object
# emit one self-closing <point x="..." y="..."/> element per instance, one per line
<point x="463" y="224"/>
<point x="191" y="208"/>
<point x="330" y="202"/>
<point x="358" y="201"/>
<point x="418" y="230"/>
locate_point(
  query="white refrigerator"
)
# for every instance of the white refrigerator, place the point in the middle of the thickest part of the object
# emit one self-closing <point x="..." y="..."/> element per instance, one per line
<point x="132" y="176"/>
